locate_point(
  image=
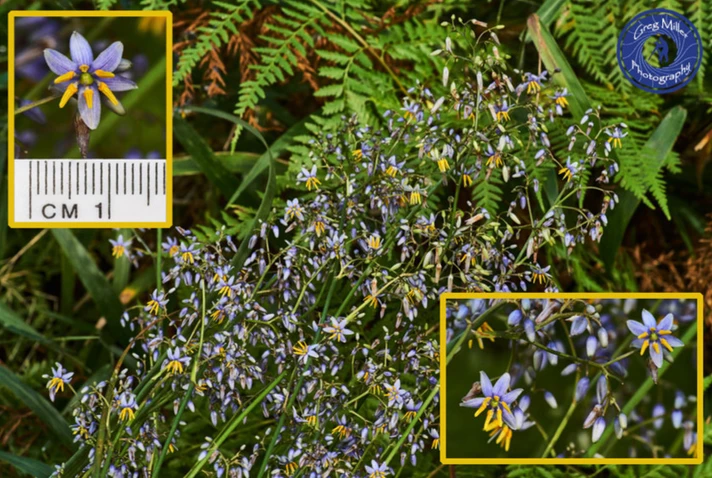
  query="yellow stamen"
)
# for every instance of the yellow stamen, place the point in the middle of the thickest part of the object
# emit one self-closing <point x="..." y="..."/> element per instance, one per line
<point x="103" y="74"/>
<point x="71" y="89"/>
<point x="664" y="332"/>
<point x="482" y="407"/>
<point x="466" y="180"/>
<point x="489" y="417"/>
<point x="118" y="250"/>
<point x="656" y="347"/>
<point x="65" y="77"/>
<point x="666" y="344"/>
<point x="643" y="335"/>
<point x="89" y="97"/>
<point x="506" y="407"/>
<point x="84" y="68"/>
<point x="126" y="413"/>
<point x="174" y="367"/>
<point x="644" y="347"/>
<point x="499" y="417"/>
<point x="108" y="93"/>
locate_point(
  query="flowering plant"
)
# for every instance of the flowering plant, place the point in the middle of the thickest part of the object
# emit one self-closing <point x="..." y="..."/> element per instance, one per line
<point x="320" y="319"/>
<point x="576" y="352"/>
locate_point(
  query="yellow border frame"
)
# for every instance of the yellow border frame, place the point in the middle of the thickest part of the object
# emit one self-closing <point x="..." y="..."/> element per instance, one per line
<point x="168" y="16"/>
<point x="695" y="460"/>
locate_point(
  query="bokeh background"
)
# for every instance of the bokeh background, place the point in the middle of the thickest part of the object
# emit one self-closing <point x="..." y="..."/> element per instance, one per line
<point x="47" y="132"/>
<point x="466" y="439"/>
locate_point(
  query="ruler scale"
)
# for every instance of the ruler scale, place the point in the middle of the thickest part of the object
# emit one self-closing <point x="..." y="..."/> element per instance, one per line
<point x="90" y="191"/>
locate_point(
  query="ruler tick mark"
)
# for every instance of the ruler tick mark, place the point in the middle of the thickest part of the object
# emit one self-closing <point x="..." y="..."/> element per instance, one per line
<point x="45" y="181"/>
<point x="133" y="179"/>
<point x="54" y="177"/>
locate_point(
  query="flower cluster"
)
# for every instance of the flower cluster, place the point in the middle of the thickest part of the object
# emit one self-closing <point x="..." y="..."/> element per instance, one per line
<point x="315" y="333"/>
<point x="589" y="342"/>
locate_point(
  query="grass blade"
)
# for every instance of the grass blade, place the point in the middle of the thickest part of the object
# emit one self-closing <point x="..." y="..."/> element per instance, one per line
<point x="270" y="190"/>
<point x="554" y="59"/>
<point x="203" y="155"/>
<point x="39" y="405"/>
<point x="263" y="163"/>
<point x="661" y="142"/>
<point x="27" y="465"/>
<point x="234" y="162"/>
<point x="14" y="323"/>
<point x="94" y="281"/>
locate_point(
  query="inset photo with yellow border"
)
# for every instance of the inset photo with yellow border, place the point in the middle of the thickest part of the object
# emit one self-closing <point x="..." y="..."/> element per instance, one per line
<point x="90" y="119"/>
<point x="561" y="378"/>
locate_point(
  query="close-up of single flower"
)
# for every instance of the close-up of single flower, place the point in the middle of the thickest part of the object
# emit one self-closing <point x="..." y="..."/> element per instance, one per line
<point x="92" y="79"/>
<point x="654" y="336"/>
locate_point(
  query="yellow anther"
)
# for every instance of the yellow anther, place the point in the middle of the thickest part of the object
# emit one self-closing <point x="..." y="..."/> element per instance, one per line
<point x="68" y="93"/>
<point x="89" y="97"/>
<point x="109" y="94"/>
<point x="65" y="77"/>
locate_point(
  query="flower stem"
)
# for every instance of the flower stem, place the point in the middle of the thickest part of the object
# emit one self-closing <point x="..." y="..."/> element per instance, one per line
<point x="35" y="104"/>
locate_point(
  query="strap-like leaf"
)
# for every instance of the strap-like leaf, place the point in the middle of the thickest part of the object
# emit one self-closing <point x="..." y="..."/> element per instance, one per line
<point x="49" y="415"/>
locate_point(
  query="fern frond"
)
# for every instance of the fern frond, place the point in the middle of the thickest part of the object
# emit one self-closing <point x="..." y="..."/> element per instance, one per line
<point x="222" y="24"/>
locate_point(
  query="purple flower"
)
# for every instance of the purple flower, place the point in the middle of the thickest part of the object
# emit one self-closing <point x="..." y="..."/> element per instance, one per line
<point x="59" y="377"/>
<point x="377" y="470"/>
<point x="496" y="400"/>
<point x="654" y="335"/>
<point x="88" y="76"/>
<point x="598" y="427"/>
<point x="582" y="388"/>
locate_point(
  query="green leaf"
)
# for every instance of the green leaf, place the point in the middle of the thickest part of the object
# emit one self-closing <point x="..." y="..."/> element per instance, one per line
<point x="553" y="59"/>
<point x="267" y="158"/>
<point x="203" y="156"/>
<point x="3" y="202"/>
<point x="269" y="193"/>
<point x="14" y="323"/>
<point x="27" y="465"/>
<point x="94" y="281"/>
<point x="661" y="143"/>
<point x="239" y="162"/>
<point x="39" y="405"/>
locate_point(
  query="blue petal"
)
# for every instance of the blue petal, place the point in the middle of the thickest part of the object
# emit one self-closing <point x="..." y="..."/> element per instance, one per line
<point x="649" y="320"/>
<point x="485" y="384"/>
<point x="80" y="49"/>
<point x="119" y="83"/>
<point x="110" y="58"/>
<point x="500" y="388"/>
<point x="515" y="317"/>
<point x="666" y="323"/>
<point x="509" y="397"/>
<point x="582" y="388"/>
<point x="578" y="325"/>
<point x="509" y="419"/>
<point x="90" y="116"/>
<point x="636" y="327"/>
<point x="656" y="356"/>
<point x="598" y="428"/>
<point x="673" y="341"/>
<point x="473" y="402"/>
<point x="58" y="63"/>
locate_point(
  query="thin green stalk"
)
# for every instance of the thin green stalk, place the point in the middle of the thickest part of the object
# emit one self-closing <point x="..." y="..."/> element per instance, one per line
<point x="35" y="104"/>
<point x="234" y="421"/>
<point x="174" y="426"/>
<point x="296" y="389"/>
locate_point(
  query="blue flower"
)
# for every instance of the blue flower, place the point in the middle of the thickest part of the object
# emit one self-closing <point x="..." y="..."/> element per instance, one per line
<point x="654" y="335"/>
<point x="496" y="400"/>
<point x="59" y="377"/>
<point x="377" y="470"/>
<point x="338" y="330"/>
<point x="88" y="76"/>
